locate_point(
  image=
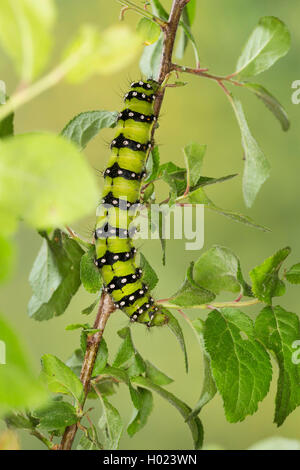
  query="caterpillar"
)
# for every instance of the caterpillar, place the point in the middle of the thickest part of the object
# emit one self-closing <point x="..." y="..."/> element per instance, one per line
<point x="115" y="252"/>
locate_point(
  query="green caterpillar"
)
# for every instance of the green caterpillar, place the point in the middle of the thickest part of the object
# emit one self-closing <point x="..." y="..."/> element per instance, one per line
<point x="115" y="253"/>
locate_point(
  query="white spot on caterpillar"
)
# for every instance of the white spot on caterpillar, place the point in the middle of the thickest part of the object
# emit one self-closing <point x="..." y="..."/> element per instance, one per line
<point x="125" y="142"/>
<point x="127" y="255"/>
<point x="115" y="202"/>
<point x="103" y="260"/>
<point x="131" y="114"/>
<point x="141" y="292"/>
<point x="116" y="257"/>
<point x="122" y="303"/>
<point x="120" y="172"/>
<point x="142" y="116"/>
<point x="141" y="83"/>
<point x="133" y="276"/>
<point x="143" y="95"/>
<point x="112" y="286"/>
<point x="133" y="175"/>
<point x="140" y="310"/>
<point x="148" y="86"/>
<point x="134" y="317"/>
<point x="134" y="93"/>
<point x="147" y="305"/>
<point x="138" y="146"/>
<point x="108" y="171"/>
<point x="123" y="281"/>
<point x="131" y="297"/>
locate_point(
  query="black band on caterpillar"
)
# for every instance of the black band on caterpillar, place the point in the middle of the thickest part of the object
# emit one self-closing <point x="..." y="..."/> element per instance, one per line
<point x="110" y="258"/>
<point x="127" y="114"/>
<point x="107" y="231"/>
<point x="129" y="299"/>
<point x="138" y="96"/>
<point x="115" y="171"/>
<point x="141" y="84"/>
<point x="111" y="200"/>
<point x="118" y="282"/>
<point x="122" y="142"/>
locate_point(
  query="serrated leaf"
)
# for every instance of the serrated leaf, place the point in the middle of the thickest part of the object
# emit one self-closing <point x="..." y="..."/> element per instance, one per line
<point x="89" y="273"/>
<point x="25" y="34"/>
<point x="241" y="366"/>
<point x="293" y="274"/>
<point x="85" y="126"/>
<point x="190" y="293"/>
<point x="217" y="270"/>
<point x="269" y="41"/>
<point x="175" y="327"/>
<point x="45" y="180"/>
<point x="149" y="275"/>
<point x="111" y="424"/>
<point x="194" y="154"/>
<point x="157" y="376"/>
<point x="150" y="59"/>
<point x="271" y="102"/>
<point x="60" y="378"/>
<point x="141" y="415"/>
<point x="148" y="31"/>
<point x="56" y="415"/>
<point x="209" y="388"/>
<point x="67" y="254"/>
<point x="265" y="279"/>
<point x="257" y="167"/>
<point x="277" y="329"/>
<point x="19" y="387"/>
<point x="193" y="423"/>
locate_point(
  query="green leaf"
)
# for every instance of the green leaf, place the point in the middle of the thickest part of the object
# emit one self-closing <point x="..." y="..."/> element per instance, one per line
<point x="269" y="41"/>
<point x="26" y="34"/>
<point x="194" y="154"/>
<point x="150" y="59"/>
<point x="45" y="180"/>
<point x="19" y="387"/>
<point x="217" y="270"/>
<point x="271" y="102"/>
<point x="257" y="167"/>
<point x="191" y="8"/>
<point x="101" y="358"/>
<point x="56" y="415"/>
<point x="209" y="388"/>
<point x="140" y="416"/>
<point x="148" y="31"/>
<point x="111" y="424"/>
<point x="241" y="366"/>
<point x="265" y="279"/>
<point x="293" y="274"/>
<point x="75" y="361"/>
<point x="159" y="10"/>
<point x="193" y="423"/>
<point x="152" y="165"/>
<point x="89" y="273"/>
<point x="85" y="126"/>
<point x="67" y="254"/>
<point x="149" y="275"/>
<point x="88" y="310"/>
<point x="157" y="376"/>
<point x="175" y="327"/>
<point x="278" y="329"/>
<point x="101" y="53"/>
<point x="126" y="350"/>
<point x="45" y="276"/>
<point x="60" y="378"/>
<point x="190" y="293"/>
<point x="7" y="124"/>
<point x="7" y="258"/>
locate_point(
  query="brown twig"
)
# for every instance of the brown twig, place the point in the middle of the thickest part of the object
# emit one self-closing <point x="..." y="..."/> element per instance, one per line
<point x="106" y="306"/>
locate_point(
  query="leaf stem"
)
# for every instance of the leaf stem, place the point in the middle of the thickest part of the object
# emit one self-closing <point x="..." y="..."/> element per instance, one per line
<point x="143" y="12"/>
<point x="205" y="74"/>
<point x="235" y="304"/>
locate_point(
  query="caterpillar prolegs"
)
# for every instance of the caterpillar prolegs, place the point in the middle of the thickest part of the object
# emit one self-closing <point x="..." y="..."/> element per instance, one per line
<point x="115" y="252"/>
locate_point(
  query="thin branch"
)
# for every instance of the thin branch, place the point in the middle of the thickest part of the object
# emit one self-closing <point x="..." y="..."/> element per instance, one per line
<point x="147" y="14"/>
<point x="106" y="307"/>
<point x="235" y="304"/>
<point x="205" y="74"/>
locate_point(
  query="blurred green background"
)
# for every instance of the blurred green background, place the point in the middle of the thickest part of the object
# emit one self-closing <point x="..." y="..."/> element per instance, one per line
<point x="198" y="112"/>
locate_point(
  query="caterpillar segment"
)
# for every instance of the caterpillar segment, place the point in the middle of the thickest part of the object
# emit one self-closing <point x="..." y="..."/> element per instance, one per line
<point x="115" y="252"/>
